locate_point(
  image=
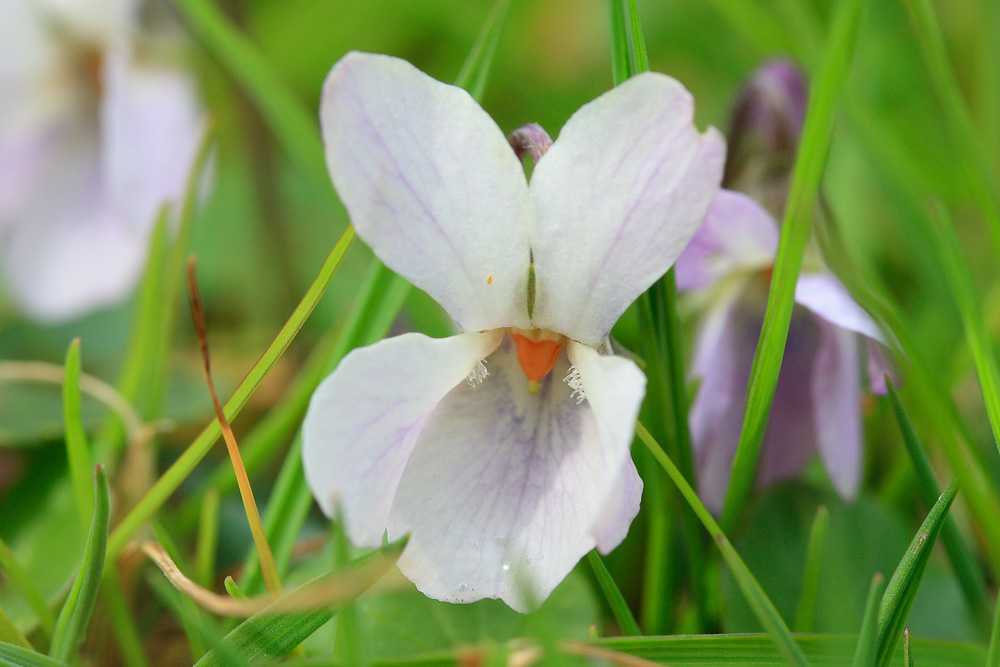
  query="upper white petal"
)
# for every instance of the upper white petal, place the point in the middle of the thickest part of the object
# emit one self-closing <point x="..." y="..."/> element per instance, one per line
<point x="738" y="235"/>
<point x="151" y="124"/>
<point x="365" y="417"/>
<point x="431" y="185"/>
<point x="506" y="491"/>
<point x="826" y="296"/>
<point x="616" y="199"/>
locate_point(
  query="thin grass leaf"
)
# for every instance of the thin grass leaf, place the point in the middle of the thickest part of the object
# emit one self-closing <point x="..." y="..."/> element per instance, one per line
<point x="476" y="68"/>
<point x="271" y="634"/>
<point x="806" y="612"/>
<point x="77" y="450"/>
<point x="613" y="595"/>
<point x="662" y="347"/>
<point x="993" y="657"/>
<point x="234" y="589"/>
<point x="758" y="650"/>
<point x="208" y="539"/>
<point x="975" y="163"/>
<point x="907" y="649"/>
<point x="9" y="632"/>
<point x="902" y="587"/>
<point x="183" y="466"/>
<point x="970" y="578"/>
<point x="796" y="227"/>
<point x="765" y="611"/>
<point x="867" y="649"/>
<point x="17" y="656"/>
<point x="22" y="581"/>
<point x="71" y="626"/>
<point x="976" y="333"/>
<point x="122" y="621"/>
<point x="294" y="125"/>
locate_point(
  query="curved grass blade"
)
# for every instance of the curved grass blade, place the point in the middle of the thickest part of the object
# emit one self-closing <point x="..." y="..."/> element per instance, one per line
<point x="795" y="231"/>
<point x="806" y="612"/>
<point x="71" y="626"/>
<point x="902" y="587"/>
<point x="970" y="578"/>
<point x="761" y="605"/>
<point x="285" y="623"/>
<point x="77" y="451"/>
<point x="619" y="607"/>
<point x="183" y="466"/>
<point x="16" y="656"/>
<point x="864" y="654"/>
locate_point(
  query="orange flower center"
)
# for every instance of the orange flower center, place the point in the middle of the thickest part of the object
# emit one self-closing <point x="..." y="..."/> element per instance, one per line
<point x="537" y="352"/>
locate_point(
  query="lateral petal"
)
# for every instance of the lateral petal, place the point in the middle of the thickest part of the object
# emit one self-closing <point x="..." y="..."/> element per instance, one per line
<point x="432" y="186"/>
<point x="616" y="199"/>
<point x="825" y="295"/>
<point x="364" y="420"/>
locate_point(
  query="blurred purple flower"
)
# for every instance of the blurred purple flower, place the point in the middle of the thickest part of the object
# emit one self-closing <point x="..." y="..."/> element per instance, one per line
<point x="95" y="135"/>
<point x="817" y="403"/>
<point x="503" y="476"/>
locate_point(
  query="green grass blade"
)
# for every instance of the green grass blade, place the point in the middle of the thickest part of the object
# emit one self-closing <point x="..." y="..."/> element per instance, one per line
<point x="208" y="540"/>
<point x="77" y="450"/>
<point x="271" y="634"/>
<point x="976" y="333"/>
<point x="16" y="656"/>
<point x="183" y="466"/>
<point x="864" y="654"/>
<point x="21" y="580"/>
<point x="10" y="634"/>
<point x="116" y="606"/>
<point x="619" y="45"/>
<point x="795" y="231"/>
<point x="974" y="161"/>
<point x="71" y="626"/>
<point x="907" y="649"/>
<point x="761" y="605"/>
<point x="614" y="597"/>
<point x="970" y="578"/>
<point x="806" y="612"/>
<point x="477" y="66"/>
<point x="294" y="125"/>
<point x="993" y="657"/>
<point x="902" y="587"/>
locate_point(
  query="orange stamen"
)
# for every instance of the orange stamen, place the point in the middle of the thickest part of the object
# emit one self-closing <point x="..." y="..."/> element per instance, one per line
<point x="536" y="357"/>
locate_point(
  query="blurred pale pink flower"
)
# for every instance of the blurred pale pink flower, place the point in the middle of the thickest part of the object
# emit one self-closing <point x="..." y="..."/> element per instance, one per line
<point x="503" y="476"/>
<point x="95" y="135"/>
<point x="817" y="403"/>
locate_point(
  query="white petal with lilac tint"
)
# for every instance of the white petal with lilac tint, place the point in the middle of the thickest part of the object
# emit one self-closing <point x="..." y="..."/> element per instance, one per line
<point x="364" y="419"/>
<point x="738" y="235"/>
<point x="620" y="510"/>
<point x="150" y="128"/>
<point x="431" y="185"/>
<point x="616" y="199"/>
<point x="826" y="296"/>
<point x="836" y="396"/>
<point x="722" y="361"/>
<point x="504" y="489"/>
<point x="98" y="21"/>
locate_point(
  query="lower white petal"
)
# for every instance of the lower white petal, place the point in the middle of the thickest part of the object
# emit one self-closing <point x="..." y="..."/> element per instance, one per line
<point x="504" y="491"/>
<point x="365" y="417"/>
<point x="622" y="507"/>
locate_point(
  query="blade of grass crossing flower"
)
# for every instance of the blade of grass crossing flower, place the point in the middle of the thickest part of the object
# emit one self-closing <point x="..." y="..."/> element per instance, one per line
<point x="967" y="572"/>
<point x="976" y="333"/>
<point x="77" y="450"/>
<point x="476" y="68"/>
<point x="902" y="587"/>
<point x="270" y="572"/>
<point x="907" y="649"/>
<point x="182" y="467"/>
<point x="765" y="611"/>
<point x="663" y="350"/>
<point x="795" y="230"/>
<point x="806" y="612"/>
<point x="71" y="626"/>
<point x="294" y="125"/>
<point x="614" y="597"/>
<point x="21" y="580"/>
<point x="864" y="654"/>
<point x="993" y="656"/>
<point x="208" y="539"/>
<point x="275" y="631"/>
<point x="980" y="175"/>
<point x="9" y="632"/>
